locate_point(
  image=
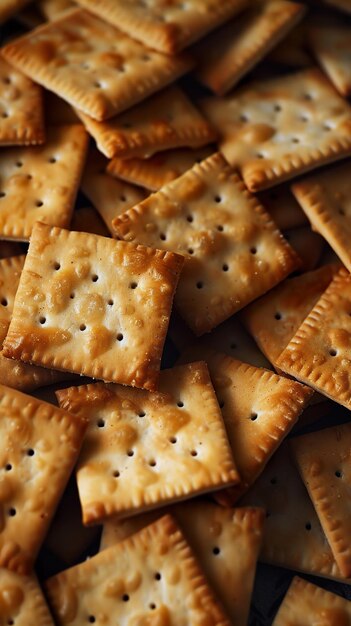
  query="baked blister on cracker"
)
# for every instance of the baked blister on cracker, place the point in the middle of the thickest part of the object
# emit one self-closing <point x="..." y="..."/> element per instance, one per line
<point x="22" y="600"/>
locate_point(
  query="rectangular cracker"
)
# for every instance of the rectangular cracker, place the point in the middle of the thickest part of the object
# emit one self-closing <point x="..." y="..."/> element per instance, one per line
<point x="90" y="305"/>
<point x="284" y="210"/>
<point x="233" y="251"/>
<point x="323" y="460"/>
<point x="104" y="73"/>
<point x="307" y="244"/>
<point x="108" y="195"/>
<point x="165" y="26"/>
<point x="41" y="183"/>
<point x="273" y="319"/>
<point x="87" y="220"/>
<point x="326" y="199"/>
<point x="331" y="47"/>
<point x="144" y="450"/>
<point x="167" y="586"/>
<point x="293" y="537"/>
<point x="39" y="448"/>
<point x="306" y="603"/>
<point x="9" y="8"/>
<point x="21" y="109"/>
<point x="233" y="50"/>
<point x="164" y="121"/>
<point x="159" y="170"/>
<point x="23" y="602"/>
<point x="211" y="531"/>
<point x="318" y="354"/>
<point x="274" y="129"/>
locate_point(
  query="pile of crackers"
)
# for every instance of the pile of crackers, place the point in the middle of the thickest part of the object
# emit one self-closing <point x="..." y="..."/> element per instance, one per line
<point x="175" y="227"/>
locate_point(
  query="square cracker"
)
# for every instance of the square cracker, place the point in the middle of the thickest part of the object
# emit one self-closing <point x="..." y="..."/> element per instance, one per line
<point x="217" y="535"/>
<point x="326" y="199"/>
<point x="273" y="130"/>
<point x="164" y="121"/>
<point x="318" y="354"/>
<point x="292" y="537"/>
<point x="15" y="374"/>
<point x="232" y="51"/>
<point x="143" y="450"/>
<point x="165" y="26"/>
<point x="159" y="169"/>
<point x="41" y="183"/>
<point x="323" y="459"/>
<point x="274" y="318"/>
<point x="9" y="8"/>
<point x="39" y="448"/>
<point x="258" y="419"/>
<point x="233" y="251"/>
<point x="167" y="587"/>
<point x="22" y="601"/>
<point x="21" y="109"/>
<point x="94" y="306"/>
<point x="331" y="46"/>
<point x="102" y="73"/>
<point x="109" y="196"/>
<point x="306" y="603"/>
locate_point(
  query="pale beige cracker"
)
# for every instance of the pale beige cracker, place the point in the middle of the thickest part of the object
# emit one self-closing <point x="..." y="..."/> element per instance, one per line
<point x="284" y="210"/>
<point x="9" y="8"/>
<point x="108" y="195"/>
<point x="275" y="129"/>
<point x="343" y="5"/>
<point x="103" y="73"/>
<point x="121" y="585"/>
<point x="51" y="9"/>
<point x="326" y="199"/>
<point x="94" y="306"/>
<point x="87" y="220"/>
<point x="165" y="26"/>
<point x="318" y="354"/>
<point x="323" y="459"/>
<point x="217" y="535"/>
<point x="292" y="537"/>
<point x="306" y="603"/>
<point x="273" y="319"/>
<point x="144" y="450"/>
<point x="331" y="47"/>
<point x="40" y="183"/>
<point x="21" y="108"/>
<point x="160" y="169"/>
<point x="307" y="244"/>
<point x="165" y="121"/>
<point x="233" y="251"/>
<point x="22" y="601"/>
<point x="232" y="51"/>
<point x="21" y="376"/>
<point x="39" y="448"/>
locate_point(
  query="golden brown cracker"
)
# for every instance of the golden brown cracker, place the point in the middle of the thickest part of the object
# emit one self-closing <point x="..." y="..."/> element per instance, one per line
<point x="22" y="601"/>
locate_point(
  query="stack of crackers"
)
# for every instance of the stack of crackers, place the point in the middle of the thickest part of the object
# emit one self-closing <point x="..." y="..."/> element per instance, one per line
<point x="175" y="226"/>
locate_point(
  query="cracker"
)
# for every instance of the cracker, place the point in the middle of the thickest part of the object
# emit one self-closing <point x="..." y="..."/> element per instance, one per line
<point x="143" y="450"/>
<point x="87" y="220"/>
<point x="103" y="73"/>
<point x="217" y="535"/>
<point x="41" y="183"/>
<point x="274" y="318"/>
<point x="94" y="306"/>
<point x="332" y="48"/>
<point x="9" y="8"/>
<point x="108" y="195"/>
<point x="164" y="121"/>
<point x="39" y="447"/>
<point x="51" y="9"/>
<point x="293" y="537"/>
<point x="159" y="170"/>
<point x="21" y="601"/>
<point x="323" y="459"/>
<point x="307" y="244"/>
<point x="167" y="27"/>
<point x="166" y="587"/>
<point x="326" y="199"/>
<point x="233" y="251"/>
<point x="256" y="419"/>
<point x="232" y="51"/>
<point x="318" y="353"/>
<point x="275" y="129"/>
<point x="306" y="603"/>
<point x="284" y="210"/>
<point x="21" y="109"/>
